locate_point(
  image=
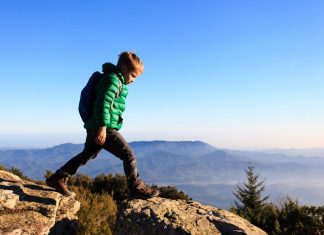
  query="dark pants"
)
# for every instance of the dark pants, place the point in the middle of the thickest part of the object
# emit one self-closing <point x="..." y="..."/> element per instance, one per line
<point x="115" y="144"/>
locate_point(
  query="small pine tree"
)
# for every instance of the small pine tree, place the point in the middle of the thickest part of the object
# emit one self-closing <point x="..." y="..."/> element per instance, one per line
<point x="249" y="202"/>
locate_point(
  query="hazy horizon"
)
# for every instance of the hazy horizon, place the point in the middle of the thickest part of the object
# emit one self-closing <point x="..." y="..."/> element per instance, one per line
<point x="34" y="141"/>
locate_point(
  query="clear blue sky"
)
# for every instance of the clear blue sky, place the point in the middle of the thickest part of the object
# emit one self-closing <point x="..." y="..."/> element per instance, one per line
<point x="236" y="74"/>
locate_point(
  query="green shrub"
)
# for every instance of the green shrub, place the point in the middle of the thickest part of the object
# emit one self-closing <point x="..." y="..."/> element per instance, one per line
<point x="97" y="213"/>
<point x="115" y="185"/>
<point x="171" y="192"/>
<point x="2" y="168"/>
<point x="81" y="180"/>
<point x="18" y="172"/>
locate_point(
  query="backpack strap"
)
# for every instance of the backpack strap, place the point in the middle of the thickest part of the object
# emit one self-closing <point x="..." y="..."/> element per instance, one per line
<point x="119" y="90"/>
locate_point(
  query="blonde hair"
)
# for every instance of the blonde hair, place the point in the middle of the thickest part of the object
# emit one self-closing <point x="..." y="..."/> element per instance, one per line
<point x="131" y="61"/>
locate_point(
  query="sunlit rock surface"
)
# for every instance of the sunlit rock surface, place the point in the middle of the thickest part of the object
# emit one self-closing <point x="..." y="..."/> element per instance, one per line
<point x="161" y="216"/>
<point x="30" y="208"/>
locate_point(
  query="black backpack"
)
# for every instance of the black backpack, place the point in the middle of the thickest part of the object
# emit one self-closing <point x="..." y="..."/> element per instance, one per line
<point x="88" y="96"/>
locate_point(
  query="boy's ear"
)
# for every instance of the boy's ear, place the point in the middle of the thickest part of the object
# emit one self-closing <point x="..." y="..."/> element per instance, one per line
<point x="122" y="68"/>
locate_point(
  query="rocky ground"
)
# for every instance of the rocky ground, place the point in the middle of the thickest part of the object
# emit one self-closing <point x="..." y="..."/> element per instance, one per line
<point x="161" y="216"/>
<point x="30" y="208"/>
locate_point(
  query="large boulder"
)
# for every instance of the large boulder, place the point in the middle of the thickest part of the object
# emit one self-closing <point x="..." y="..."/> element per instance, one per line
<point x="161" y="216"/>
<point x="30" y="208"/>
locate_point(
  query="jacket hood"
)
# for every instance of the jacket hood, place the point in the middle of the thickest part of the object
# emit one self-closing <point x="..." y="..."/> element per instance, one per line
<point x="109" y="68"/>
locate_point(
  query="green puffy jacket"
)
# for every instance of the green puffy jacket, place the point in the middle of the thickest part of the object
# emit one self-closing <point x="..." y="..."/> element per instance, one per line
<point x="109" y="106"/>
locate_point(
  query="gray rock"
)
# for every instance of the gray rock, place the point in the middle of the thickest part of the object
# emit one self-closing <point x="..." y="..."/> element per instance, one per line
<point x="160" y="216"/>
<point x="30" y="208"/>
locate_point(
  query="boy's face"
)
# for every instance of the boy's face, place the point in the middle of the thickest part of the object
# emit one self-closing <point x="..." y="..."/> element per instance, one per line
<point x="128" y="75"/>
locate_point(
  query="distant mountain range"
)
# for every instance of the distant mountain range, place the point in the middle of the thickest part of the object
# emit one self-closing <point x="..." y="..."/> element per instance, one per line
<point x="206" y="173"/>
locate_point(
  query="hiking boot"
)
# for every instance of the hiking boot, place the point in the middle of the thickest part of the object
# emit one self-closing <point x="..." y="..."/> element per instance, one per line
<point x="143" y="191"/>
<point x="59" y="183"/>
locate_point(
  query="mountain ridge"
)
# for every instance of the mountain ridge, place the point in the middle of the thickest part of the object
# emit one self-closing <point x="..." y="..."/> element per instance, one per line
<point x="191" y="165"/>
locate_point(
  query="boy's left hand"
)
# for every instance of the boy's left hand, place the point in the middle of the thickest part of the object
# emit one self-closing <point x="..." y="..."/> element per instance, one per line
<point x="101" y="136"/>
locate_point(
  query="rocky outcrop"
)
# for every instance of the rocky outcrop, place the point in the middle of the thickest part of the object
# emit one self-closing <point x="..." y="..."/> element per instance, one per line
<point x="30" y="208"/>
<point x="161" y="216"/>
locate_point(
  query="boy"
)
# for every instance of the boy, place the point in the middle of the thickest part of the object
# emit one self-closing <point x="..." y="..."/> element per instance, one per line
<point x="103" y="125"/>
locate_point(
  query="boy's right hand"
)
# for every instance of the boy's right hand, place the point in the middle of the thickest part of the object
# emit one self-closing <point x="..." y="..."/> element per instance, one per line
<point x="101" y="136"/>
